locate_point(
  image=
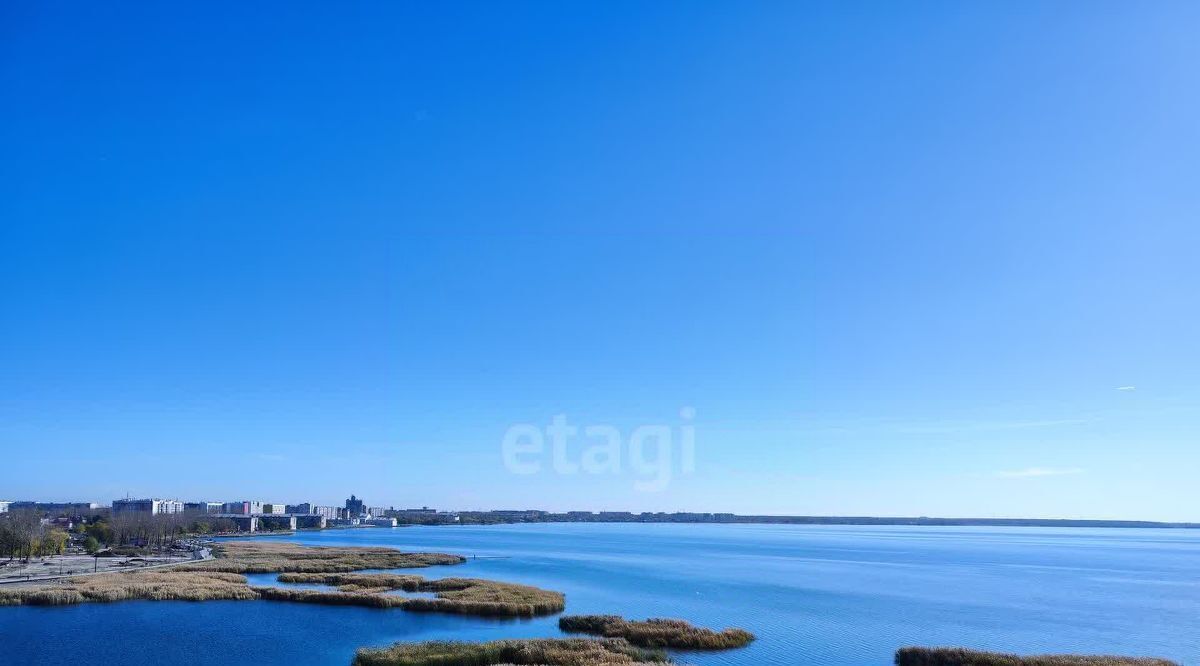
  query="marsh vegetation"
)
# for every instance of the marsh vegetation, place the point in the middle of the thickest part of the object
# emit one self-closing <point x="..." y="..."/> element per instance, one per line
<point x="274" y="556"/>
<point x="542" y="651"/>
<point x="656" y="632"/>
<point x="222" y="579"/>
<point x="916" y="656"/>
<point x="143" y="585"/>
<point x="469" y="596"/>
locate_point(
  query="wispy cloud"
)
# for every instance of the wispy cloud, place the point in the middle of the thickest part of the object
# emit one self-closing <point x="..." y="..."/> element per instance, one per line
<point x="1032" y="472"/>
<point x="1126" y="388"/>
<point x="945" y="427"/>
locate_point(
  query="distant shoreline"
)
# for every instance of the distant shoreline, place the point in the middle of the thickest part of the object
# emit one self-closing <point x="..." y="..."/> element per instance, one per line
<point x="533" y="516"/>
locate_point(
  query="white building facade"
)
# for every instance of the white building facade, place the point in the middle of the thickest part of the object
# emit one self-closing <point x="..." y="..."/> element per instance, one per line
<point x="151" y="506"/>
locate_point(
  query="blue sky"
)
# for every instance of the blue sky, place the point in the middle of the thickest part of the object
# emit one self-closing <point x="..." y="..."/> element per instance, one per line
<point x="920" y="259"/>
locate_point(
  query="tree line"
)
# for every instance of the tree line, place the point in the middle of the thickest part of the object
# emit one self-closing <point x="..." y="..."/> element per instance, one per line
<point x="24" y="534"/>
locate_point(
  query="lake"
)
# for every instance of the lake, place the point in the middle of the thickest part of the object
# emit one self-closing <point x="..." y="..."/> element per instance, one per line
<point x="827" y="595"/>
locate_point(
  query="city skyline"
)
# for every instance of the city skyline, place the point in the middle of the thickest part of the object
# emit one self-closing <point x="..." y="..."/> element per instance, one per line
<point x="245" y="516"/>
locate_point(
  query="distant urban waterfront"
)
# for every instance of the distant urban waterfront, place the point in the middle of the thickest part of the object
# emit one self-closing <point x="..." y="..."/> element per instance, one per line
<point x="811" y="593"/>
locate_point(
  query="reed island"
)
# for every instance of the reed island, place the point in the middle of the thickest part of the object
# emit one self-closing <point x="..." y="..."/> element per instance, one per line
<point x="222" y="578"/>
<point x="919" y="656"/>
<point x="656" y="632"/>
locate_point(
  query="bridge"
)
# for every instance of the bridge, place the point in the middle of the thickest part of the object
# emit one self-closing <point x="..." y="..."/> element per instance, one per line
<point x="291" y="521"/>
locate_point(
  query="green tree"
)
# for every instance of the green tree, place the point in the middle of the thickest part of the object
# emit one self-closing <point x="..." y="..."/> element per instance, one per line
<point x="54" y="542"/>
<point x="91" y="545"/>
<point x="101" y="531"/>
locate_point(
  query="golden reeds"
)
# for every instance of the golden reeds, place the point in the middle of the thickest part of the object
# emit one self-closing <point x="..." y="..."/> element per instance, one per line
<point x="145" y="585"/>
<point x="468" y="596"/>
<point x="916" y="656"/>
<point x="656" y="632"/>
<point x="541" y="651"/>
<point x="277" y="556"/>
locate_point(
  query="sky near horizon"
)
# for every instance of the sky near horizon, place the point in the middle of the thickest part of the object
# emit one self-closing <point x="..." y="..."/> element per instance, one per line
<point x="891" y="259"/>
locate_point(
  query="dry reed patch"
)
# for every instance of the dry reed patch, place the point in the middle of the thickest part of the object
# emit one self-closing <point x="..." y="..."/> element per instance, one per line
<point x="275" y="556"/>
<point x="542" y="652"/>
<point x="222" y="579"/>
<point x="916" y="656"/>
<point x="147" y="585"/>
<point x="356" y="582"/>
<point x="329" y="598"/>
<point x="466" y="596"/>
<point x="656" y="632"/>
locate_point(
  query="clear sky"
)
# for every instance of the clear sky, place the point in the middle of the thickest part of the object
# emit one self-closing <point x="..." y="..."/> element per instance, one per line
<point x="934" y="258"/>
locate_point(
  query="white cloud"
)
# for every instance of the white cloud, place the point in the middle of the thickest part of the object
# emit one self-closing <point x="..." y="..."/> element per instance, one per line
<point x="950" y="427"/>
<point x="1032" y="472"/>
<point x="1126" y="388"/>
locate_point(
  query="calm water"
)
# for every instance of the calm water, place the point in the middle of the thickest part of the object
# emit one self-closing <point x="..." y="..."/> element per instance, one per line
<point x="814" y="595"/>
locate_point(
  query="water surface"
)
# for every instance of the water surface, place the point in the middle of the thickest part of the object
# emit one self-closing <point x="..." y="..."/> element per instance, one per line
<point x="813" y="594"/>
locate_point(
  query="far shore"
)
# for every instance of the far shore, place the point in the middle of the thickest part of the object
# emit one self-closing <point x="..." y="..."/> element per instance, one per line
<point x="809" y="521"/>
<point x="490" y="518"/>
